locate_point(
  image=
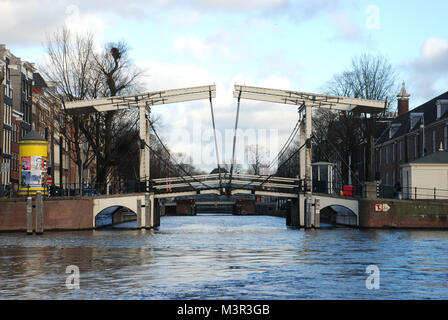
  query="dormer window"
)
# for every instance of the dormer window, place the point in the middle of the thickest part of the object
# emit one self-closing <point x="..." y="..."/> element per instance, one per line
<point x="442" y="107"/>
<point x="393" y="129"/>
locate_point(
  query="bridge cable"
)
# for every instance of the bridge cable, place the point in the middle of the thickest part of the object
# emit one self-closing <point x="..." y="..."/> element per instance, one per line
<point x="216" y="140"/>
<point x="170" y="156"/>
<point x="286" y="145"/>
<point x="342" y="159"/>
<point x="234" y="141"/>
<point x="284" y="148"/>
<point x="165" y="161"/>
<point x="280" y="166"/>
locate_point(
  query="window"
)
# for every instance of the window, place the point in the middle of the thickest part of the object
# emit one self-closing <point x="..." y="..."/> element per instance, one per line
<point x="393" y="152"/>
<point x="415" y="146"/>
<point x="445" y="137"/>
<point x="434" y="141"/>
<point x="400" y="145"/>
<point x="442" y="107"/>
<point x="387" y="155"/>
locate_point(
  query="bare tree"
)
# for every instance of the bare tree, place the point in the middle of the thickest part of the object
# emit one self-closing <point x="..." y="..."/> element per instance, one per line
<point x="257" y="159"/>
<point x="69" y="65"/>
<point x="348" y="137"/>
<point x="82" y="73"/>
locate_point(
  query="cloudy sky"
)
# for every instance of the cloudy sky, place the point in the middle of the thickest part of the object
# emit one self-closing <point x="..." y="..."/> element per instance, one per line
<point x="297" y="45"/>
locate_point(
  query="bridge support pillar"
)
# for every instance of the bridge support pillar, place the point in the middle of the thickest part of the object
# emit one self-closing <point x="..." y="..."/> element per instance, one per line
<point x="139" y="214"/>
<point x="316" y="213"/>
<point x="152" y="210"/>
<point x="147" y="219"/>
<point x="144" y="132"/>
<point x="308" y="212"/>
<point x="157" y="211"/>
<point x="293" y="213"/>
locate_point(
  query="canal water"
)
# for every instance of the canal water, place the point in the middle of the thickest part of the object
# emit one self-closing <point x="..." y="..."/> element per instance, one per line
<point x="225" y="257"/>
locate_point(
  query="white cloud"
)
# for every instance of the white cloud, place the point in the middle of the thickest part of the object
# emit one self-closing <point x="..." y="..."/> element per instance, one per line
<point x="237" y="5"/>
<point x="28" y="22"/>
<point x="187" y="127"/>
<point x="429" y="71"/>
<point x="193" y="46"/>
<point x="346" y="26"/>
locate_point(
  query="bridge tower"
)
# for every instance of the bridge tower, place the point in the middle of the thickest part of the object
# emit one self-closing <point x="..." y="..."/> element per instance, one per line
<point x="143" y="101"/>
<point x="306" y="102"/>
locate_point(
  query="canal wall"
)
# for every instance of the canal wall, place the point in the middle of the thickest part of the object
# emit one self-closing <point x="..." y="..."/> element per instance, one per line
<point x="185" y="207"/>
<point x="403" y="214"/>
<point x="58" y="214"/>
<point x="123" y="216"/>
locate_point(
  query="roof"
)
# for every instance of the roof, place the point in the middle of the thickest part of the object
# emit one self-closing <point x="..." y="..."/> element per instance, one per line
<point x="403" y="121"/>
<point x="32" y="135"/>
<point x="214" y="171"/>
<point x="39" y="82"/>
<point x="439" y="157"/>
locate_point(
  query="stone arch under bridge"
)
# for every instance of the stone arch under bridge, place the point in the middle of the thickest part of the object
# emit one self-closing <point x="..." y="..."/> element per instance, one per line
<point x="331" y="201"/>
<point x="145" y="217"/>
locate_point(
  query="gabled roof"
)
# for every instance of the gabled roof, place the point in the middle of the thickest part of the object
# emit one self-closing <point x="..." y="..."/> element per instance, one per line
<point x="439" y="157"/>
<point x="403" y="121"/>
<point x="39" y="82"/>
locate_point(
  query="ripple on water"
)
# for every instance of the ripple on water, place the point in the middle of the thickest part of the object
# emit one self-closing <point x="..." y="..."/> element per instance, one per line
<point x="225" y="257"/>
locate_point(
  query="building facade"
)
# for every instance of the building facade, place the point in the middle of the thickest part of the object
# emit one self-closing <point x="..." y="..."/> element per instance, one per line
<point x="410" y="136"/>
<point x="6" y="58"/>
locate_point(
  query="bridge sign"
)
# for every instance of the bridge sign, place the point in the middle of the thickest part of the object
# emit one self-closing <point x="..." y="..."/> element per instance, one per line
<point x="379" y="207"/>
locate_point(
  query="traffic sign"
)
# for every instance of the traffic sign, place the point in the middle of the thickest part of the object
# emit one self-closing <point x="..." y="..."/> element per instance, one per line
<point x="379" y="207"/>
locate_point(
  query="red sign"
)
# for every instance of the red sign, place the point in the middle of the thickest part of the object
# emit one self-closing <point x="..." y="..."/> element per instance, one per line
<point x="378" y="207"/>
<point x="49" y="180"/>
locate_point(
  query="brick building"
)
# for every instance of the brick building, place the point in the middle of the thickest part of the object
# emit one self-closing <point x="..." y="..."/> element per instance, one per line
<point x="6" y="117"/>
<point x="410" y="136"/>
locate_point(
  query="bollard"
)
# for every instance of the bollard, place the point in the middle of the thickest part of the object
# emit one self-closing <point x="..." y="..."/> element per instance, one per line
<point x="39" y="213"/>
<point x="139" y="214"/>
<point x="29" y="215"/>
<point x="147" y="211"/>
<point x="317" y="213"/>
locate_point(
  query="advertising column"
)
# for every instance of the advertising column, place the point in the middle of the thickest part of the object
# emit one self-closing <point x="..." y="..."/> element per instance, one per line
<point x="33" y="164"/>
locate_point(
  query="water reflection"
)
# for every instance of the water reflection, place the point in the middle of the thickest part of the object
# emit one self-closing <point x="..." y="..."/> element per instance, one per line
<point x="224" y="257"/>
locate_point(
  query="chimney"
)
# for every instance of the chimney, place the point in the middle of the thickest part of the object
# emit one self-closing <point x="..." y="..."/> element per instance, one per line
<point x="403" y="100"/>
